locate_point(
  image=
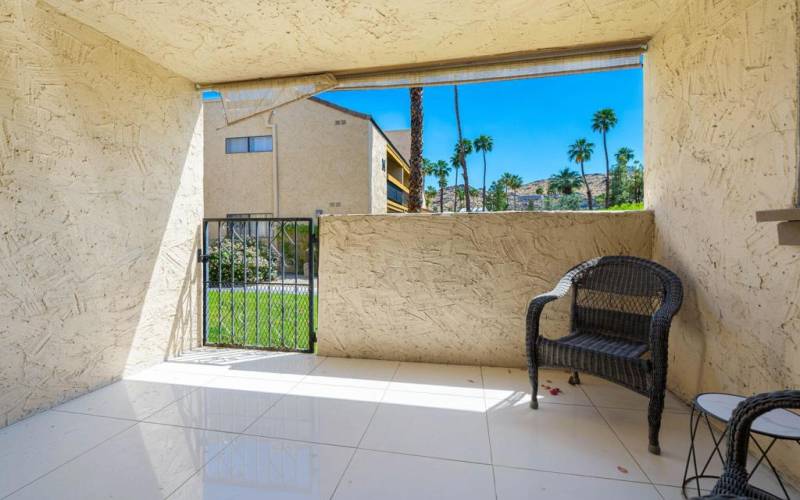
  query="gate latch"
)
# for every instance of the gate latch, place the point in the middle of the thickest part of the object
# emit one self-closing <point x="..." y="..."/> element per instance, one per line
<point x="201" y="258"/>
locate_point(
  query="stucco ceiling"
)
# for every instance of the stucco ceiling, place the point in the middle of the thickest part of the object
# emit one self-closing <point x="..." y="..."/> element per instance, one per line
<point x="217" y="41"/>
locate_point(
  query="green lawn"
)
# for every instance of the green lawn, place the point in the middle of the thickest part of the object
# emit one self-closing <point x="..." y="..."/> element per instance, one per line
<point x="271" y="320"/>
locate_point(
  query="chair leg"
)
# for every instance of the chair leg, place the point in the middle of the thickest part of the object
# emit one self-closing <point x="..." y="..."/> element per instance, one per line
<point x="533" y="373"/>
<point x="574" y="379"/>
<point x="654" y="410"/>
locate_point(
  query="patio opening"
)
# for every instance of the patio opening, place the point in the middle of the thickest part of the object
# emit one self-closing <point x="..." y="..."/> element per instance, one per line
<point x="259" y="286"/>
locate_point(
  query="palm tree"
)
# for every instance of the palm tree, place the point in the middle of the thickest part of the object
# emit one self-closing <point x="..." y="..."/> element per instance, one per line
<point x="603" y="121"/>
<point x="498" y="201"/>
<point x="484" y="144"/>
<point x="514" y="182"/>
<point x="619" y="176"/>
<point x="565" y="181"/>
<point x="417" y="181"/>
<point x="581" y="151"/>
<point x="462" y="153"/>
<point x="511" y="182"/>
<point x="456" y="163"/>
<point x="459" y="193"/>
<point x="427" y="170"/>
<point x="624" y="155"/>
<point x="430" y="194"/>
<point x="441" y="170"/>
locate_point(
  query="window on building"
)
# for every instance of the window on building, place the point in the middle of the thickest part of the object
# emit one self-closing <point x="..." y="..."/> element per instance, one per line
<point x="260" y="144"/>
<point x="255" y="144"/>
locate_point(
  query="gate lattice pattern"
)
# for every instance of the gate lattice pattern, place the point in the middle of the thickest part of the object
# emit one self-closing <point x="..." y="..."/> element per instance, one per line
<point x="258" y="283"/>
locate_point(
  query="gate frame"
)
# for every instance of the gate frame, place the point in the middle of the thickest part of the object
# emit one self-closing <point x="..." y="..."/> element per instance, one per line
<point x="203" y="258"/>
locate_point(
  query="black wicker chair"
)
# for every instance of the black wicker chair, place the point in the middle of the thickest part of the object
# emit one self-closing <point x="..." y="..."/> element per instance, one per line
<point x="733" y="482"/>
<point x="622" y="308"/>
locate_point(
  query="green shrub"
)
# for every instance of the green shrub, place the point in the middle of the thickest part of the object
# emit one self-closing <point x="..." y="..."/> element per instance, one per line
<point x="570" y="202"/>
<point x="227" y="262"/>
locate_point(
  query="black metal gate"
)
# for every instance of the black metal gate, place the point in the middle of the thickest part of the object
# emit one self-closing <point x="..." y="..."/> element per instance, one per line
<point x="258" y="283"/>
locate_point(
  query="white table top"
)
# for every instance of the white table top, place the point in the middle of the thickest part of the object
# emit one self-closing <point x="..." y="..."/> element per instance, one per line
<point x="779" y="423"/>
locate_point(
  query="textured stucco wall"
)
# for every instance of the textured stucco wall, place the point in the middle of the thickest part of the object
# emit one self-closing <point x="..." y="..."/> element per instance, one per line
<point x="213" y="41"/>
<point x="321" y="163"/>
<point x="454" y="288"/>
<point x="721" y="142"/>
<point x="235" y="183"/>
<point x="100" y="196"/>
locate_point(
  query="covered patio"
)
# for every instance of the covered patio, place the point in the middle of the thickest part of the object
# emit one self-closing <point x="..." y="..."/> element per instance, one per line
<point x="417" y="389"/>
<point x="249" y="424"/>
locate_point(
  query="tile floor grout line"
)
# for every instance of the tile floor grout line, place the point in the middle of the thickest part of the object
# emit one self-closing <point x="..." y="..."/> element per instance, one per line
<point x="238" y="435"/>
<point x="633" y="457"/>
<point x="73" y="412"/>
<point x="488" y="431"/>
<point x="196" y="388"/>
<point x="366" y="428"/>
<point x="134" y="424"/>
<point x="203" y="466"/>
<point x="574" y="474"/>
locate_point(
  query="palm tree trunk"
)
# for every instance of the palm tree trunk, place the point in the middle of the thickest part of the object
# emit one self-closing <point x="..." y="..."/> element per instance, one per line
<point x="417" y="181"/>
<point x="461" y="157"/>
<point x="455" y="191"/>
<point x="441" y="199"/>
<point x="588" y="191"/>
<point x="605" y="149"/>
<point x="483" y="194"/>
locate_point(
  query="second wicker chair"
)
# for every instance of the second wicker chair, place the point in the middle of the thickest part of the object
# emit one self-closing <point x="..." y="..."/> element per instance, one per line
<point x="622" y="308"/>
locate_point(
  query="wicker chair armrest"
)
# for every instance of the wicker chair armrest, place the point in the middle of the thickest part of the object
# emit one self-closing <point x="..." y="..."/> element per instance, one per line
<point x="536" y="306"/>
<point x="662" y="318"/>
<point x="735" y="476"/>
<point x="660" y="324"/>
<point x="745" y="414"/>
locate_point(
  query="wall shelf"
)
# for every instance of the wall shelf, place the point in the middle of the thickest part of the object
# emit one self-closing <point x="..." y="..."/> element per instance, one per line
<point x="788" y="220"/>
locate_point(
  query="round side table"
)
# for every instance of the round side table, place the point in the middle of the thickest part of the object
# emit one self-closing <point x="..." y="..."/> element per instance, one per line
<point x="776" y="424"/>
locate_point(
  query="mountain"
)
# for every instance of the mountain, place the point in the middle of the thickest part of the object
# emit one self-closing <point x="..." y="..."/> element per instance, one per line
<point x="597" y="182"/>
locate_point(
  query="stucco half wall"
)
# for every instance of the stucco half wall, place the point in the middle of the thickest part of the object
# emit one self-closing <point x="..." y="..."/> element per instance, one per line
<point x="453" y="288"/>
<point x="101" y="194"/>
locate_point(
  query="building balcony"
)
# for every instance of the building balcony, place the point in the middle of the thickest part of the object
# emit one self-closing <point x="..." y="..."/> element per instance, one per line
<point x="396" y="195"/>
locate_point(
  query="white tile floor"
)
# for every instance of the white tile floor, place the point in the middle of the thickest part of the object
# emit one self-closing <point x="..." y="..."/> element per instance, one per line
<point x="244" y="425"/>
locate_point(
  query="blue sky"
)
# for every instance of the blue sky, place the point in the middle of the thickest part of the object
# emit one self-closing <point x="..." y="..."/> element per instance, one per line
<point x="531" y="121"/>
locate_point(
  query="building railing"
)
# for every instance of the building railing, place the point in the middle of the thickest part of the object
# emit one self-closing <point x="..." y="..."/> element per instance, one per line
<point x="395" y="194"/>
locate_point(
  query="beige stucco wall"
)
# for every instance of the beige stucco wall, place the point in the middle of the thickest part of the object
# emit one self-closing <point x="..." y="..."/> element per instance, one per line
<point x="200" y="40"/>
<point x="100" y="196"/>
<point x="721" y="142"/>
<point x="236" y="183"/>
<point x="402" y="141"/>
<point x="454" y="288"/>
<point x="321" y="164"/>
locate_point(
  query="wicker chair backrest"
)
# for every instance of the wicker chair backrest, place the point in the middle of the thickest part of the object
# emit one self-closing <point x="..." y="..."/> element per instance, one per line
<point x="617" y="296"/>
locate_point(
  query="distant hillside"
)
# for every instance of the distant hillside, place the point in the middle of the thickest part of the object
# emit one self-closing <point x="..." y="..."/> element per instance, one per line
<point x="597" y="183"/>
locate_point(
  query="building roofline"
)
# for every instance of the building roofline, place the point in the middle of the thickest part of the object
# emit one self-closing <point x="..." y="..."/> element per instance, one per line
<point x="363" y="116"/>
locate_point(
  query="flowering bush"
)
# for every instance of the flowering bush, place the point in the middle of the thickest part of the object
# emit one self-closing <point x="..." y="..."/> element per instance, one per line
<point x="237" y="258"/>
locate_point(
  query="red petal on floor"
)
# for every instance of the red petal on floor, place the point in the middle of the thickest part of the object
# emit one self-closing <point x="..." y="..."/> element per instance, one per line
<point x="622" y="469"/>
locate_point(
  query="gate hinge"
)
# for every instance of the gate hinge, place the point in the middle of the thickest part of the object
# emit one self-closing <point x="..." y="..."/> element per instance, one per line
<point x="201" y="258"/>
